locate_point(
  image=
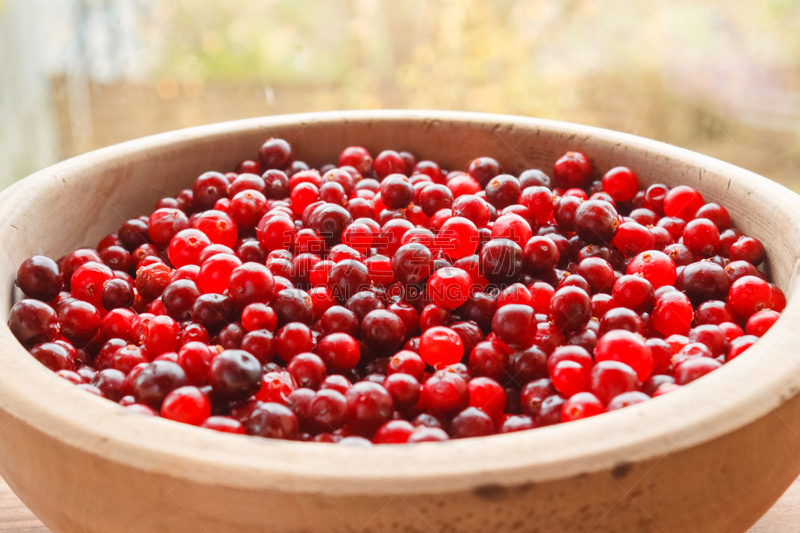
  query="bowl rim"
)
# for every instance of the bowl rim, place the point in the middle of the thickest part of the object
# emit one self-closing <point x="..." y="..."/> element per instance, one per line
<point x="730" y="398"/>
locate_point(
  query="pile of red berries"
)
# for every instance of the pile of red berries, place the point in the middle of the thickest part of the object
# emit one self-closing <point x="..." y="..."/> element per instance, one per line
<point x="388" y="300"/>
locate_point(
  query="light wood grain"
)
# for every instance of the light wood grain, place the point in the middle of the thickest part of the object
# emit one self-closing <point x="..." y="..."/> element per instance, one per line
<point x="711" y="457"/>
<point x="783" y="517"/>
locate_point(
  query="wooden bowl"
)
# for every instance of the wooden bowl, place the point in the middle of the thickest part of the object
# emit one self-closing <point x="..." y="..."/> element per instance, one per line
<point x="712" y="456"/>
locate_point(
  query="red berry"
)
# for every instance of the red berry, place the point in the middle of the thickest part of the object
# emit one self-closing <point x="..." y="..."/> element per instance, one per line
<point x="748" y="295"/>
<point x="488" y="396"/>
<point x="654" y="266"/>
<point x="444" y="393"/>
<point x="760" y="322"/>
<point x="186" y="404"/>
<point x="216" y="271"/>
<point x="672" y="314"/>
<point x="339" y="351"/>
<point x="581" y="405"/>
<point x="441" y="346"/>
<point x="621" y="183"/>
<point x="572" y="170"/>
<point x="393" y="432"/>
<point x="683" y="202"/>
<point x="626" y="347"/>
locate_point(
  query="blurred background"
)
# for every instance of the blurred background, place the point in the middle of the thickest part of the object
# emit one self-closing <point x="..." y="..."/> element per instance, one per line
<point x="719" y="77"/>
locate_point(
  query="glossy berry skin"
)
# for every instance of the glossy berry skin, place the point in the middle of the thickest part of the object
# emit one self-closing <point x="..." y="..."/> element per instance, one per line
<point x="621" y="184"/>
<point x="694" y="369"/>
<point x="703" y="281"/>
<point x="276" y="232"/>
<point x="213" y="311"/>
<point x="156" y="381"/>
<point x="701" y="236"/>
<point x="682" y="202"/>
<point x="250" y="283"/>
<point x="388" y="162"/>
<point x="515" y="294"/>
<point x="435" y="197"/>
<point x="412" y="263"/>
<point x="483" y="169"/>
<point x="224" y="424"/>
<point x="339" y="351"/>
<point x="434" y="315"/>
<point x="38" y="277"/>
<point x="207" y="189"/>
<point x="611" y="378"/>
<point x="572" y="170"/>
<point x="449" y="287"/>
<point x="656" y="267"/>
<point x="441" y="346"/>
<point x="633" y="292"/>
<point x="760" y="322"/>
<point x="626" y="347"/>
<point x="407" y="362"/>
<point x="308" y="370"/>
<point x="490" y="359"/>
<point x="235" y="375"/>
<point x="293" y="305"/>
<point x="357" y="157"/>
<point x="427" y="434"/>
<point x="292" y="339"/>
<point x="471" y="422"/>
<point x="596" y="222"/>
<point x="32" y="322"/>
<point x="672" y="313"/>
<point x="348" y="277"/>
<point x="513" y="227"/>
<point x="79" y="321"/>
<point x="633" y="238"/>
<point x="515" y="324"/>
<point x="570" y="308"/>
<point x="716" y="214"/>
<point x="369" y="406"/>
<point x="185" y="247"/>
<point x="396" y="191"/>
<point x="540" y="255"/>
<point x="325" y="410"/>
<point x="393" y="432"/>
<point x="195" y="358"/>
<point x="382" y="330"/>
<point x="501" y="260"/>
<point x="404" y="390"/>
<point x="216" y="272"/>
<point x="272" y="420"/>
<point x="488" y="396"/>
<point x="748" y="249"/>
<point x="581" y="405"/>
<point x="502" y="191"/>
<point x="749" y="295"/>
<point x="275" y="154"/>
<point x="626" y="399"/>
<point x="598" y="273"/>
<point x="160" y="335"/>
<point x="164" y="224"/>
<point x="458" y="237"/>
<point x="54" y="356"/>
<point x="186" y="404"/>
<point x="88" y="281"/>
<point x="117" y="293"/>
<point x="444" y="393"/>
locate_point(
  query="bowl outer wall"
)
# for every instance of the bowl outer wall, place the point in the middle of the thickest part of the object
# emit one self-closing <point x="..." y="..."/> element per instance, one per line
<point x="747" y="409"/>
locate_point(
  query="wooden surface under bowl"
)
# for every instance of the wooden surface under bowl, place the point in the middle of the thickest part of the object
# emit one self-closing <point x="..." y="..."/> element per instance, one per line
<point x="712" y="456"/>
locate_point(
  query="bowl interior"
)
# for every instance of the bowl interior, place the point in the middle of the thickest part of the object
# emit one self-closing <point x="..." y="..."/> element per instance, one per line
<point x="77" y="202"/>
